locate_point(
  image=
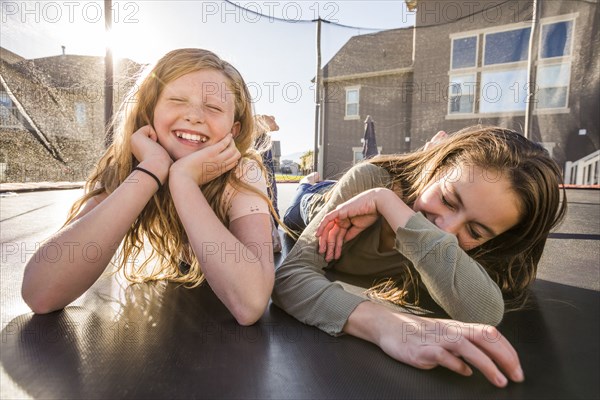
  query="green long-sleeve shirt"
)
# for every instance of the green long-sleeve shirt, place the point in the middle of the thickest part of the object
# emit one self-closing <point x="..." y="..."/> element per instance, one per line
<point x="453" y="280"/>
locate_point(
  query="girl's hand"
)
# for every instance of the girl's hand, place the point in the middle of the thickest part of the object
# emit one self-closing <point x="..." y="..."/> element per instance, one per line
<point x="145" y="146"/>
<point x="427" y="342"/>
<point x="206" y="164"/>
<point x="430" y="342"/>
<point x="346" y="222"/>
<point x="438" y="137"/>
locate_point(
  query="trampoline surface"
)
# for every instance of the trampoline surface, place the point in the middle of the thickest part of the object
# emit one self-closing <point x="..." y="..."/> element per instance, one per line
<point x="164" y="341"/>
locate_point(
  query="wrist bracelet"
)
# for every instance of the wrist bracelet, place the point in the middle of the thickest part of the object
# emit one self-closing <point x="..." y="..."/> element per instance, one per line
<point x="149" y="173"/>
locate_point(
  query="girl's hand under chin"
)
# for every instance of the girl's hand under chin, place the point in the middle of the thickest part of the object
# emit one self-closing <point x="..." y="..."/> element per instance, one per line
<point x="206" y="164"/>
<point x="146" y="149"/>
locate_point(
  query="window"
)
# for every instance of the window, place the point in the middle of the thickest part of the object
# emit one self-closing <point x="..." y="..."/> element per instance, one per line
<point x="462" y="94"/>
<point x="80" y="114"/>
<point x="503" y="91"/>
<point x="506" y="47"/>
<point x="553" y="86"/>
<point x="352" y="102"/>
<point x="496" y="81"/>
<point x="357" y="153"/>
<point x="504" y="88"/>
<point x="6" y="111"/>
<point x="464" y="52"/>
<point x="556" y="39"/>
<point x="554" y="69"/>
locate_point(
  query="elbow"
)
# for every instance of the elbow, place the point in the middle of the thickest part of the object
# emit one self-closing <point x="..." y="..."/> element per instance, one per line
<point x="248" y="314"/>
<point x="39" y="302"/>
<point x="39" y="305"/>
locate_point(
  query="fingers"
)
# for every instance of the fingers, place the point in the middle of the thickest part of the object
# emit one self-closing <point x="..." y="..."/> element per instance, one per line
<point x="441" y="135"/>
<point x="485" y="348"/>
<point x="499" y="349"/>
<point x="331" y="216"/>
<point x="332" y="242"/>
<point x="148" y="131"/>
<point x="481" y="361"/>
<point x="433" y="356"/>
<point x="324" y="235"/>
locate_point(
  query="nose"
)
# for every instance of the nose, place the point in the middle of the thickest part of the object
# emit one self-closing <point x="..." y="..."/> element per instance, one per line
<point x="449" y="223"/>
<point x="194" y="115"/>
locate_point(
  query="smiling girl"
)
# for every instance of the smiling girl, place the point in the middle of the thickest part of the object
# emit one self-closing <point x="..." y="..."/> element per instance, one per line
<point x="181" y="175"/>
<point x="464" y="221"/>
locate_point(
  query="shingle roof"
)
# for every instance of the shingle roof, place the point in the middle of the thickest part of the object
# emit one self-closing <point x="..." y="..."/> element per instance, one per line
<point x="9" y="57"/>
<point x="382" y="51"/>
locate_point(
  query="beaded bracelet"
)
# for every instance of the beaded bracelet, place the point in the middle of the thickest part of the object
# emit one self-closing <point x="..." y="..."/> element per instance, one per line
<point x="149" y="173"/>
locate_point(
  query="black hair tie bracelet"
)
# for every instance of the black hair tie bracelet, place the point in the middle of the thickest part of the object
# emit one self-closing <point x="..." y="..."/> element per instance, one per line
<point x="149" y="173"/>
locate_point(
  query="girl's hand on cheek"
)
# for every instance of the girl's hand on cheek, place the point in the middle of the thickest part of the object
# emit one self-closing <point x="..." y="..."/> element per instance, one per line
<point x="145" y="146"/>
<point x="206" y="164"/>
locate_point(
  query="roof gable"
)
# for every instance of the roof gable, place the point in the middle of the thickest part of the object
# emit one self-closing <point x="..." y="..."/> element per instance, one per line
<point x="382" y="51"/>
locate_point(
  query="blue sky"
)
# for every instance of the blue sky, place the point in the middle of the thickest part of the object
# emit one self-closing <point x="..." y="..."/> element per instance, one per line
<point x="277" y="59"/>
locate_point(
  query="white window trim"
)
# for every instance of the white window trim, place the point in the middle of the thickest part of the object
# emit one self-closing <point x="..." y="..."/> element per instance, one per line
<point x="359" y="149"/>
<point x="346" y="116"/>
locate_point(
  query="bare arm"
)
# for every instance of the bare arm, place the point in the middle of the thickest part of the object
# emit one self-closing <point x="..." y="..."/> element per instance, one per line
<point x="237" y="263"/>
<point x="85" y="247"/>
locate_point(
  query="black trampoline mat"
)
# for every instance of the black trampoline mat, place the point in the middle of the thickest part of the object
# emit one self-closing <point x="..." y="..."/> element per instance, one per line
<point x="165" y="341"/>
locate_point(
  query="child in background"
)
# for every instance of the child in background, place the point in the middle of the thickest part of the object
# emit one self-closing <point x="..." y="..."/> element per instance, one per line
<point x="182" y="175"/>
<point x="264" y="125"/>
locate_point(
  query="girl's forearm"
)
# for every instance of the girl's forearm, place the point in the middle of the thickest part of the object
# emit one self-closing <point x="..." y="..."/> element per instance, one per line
<point x="365" y="321"/>
<point x="393" y="209"/>
<point x="242" y="279"/>
<point x="82" y="250"/>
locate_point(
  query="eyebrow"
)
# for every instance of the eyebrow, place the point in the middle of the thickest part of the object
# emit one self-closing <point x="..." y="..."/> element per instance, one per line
<point x="486" y="228"/>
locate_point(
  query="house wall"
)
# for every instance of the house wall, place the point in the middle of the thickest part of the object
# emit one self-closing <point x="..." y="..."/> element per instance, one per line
<point x="64" y="98"/>
<point x="385" y="100"/>
<point x="432" y="65"/>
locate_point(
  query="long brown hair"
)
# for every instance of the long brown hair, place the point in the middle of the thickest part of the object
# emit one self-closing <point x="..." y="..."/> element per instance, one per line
<point x="159" y="222"/>
<point x="511" y="258"/>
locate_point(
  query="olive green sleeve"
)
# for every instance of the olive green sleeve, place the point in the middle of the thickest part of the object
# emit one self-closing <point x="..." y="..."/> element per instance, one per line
<point x="301" y="289"/>
<point x="454" y="280"/>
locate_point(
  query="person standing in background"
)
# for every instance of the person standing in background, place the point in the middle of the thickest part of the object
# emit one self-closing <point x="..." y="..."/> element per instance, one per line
<point x="264" y="125"/>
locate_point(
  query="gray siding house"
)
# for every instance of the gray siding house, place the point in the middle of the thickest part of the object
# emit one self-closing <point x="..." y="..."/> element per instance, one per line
<point x="470" y="65"/>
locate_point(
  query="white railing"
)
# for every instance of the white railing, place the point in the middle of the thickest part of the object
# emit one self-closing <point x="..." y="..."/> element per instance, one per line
<point x="585" y="171"/>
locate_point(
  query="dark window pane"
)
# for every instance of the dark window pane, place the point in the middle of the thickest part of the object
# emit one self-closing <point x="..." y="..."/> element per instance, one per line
<point x="552" y="97"/>
<point x="464" y="51"/>
<point x="556" y="39"/>
<point x="507" y="47"/>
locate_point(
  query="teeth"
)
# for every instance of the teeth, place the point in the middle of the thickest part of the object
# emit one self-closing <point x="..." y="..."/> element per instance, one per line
<point x="191" y="137"/>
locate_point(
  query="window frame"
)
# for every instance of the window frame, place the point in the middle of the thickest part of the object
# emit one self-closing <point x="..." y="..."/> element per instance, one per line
<point x="565" y="60"/>
<point x="347" y="90"/>
<point x="476" y="36"/>
<point x="480" y="68"/>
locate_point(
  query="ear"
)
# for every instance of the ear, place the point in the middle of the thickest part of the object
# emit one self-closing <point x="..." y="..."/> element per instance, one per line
<point x="235" y="129"/>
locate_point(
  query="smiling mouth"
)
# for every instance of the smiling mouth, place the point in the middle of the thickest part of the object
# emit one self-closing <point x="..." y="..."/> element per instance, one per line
<point x="191" y="137"/>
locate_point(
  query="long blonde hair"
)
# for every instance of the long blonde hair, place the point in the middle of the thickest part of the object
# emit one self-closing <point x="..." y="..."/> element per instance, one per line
<point x="159" y="222"/>
<point x="511" y="258"/>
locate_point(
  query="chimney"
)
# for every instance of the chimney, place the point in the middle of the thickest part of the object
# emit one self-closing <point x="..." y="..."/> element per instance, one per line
<point x="63" y="50"/>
